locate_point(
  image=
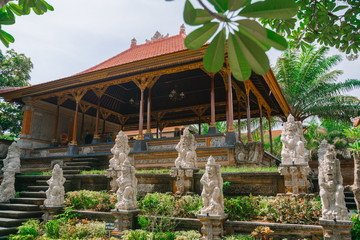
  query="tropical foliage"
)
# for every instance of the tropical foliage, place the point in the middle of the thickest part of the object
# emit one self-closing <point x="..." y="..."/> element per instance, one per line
<point x="311" y="89"/>
<point x="247" y="39"/>
<point x="8" y="10"/>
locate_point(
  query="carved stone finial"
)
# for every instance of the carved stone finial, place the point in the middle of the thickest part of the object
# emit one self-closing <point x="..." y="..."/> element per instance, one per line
<point x="182" y="29"/>
<point x="55" y="193"/>
<point x="157" y="36"/>
<point x="133" y="42"/>
<point x="186" y="151"/>
<point x="212" y="195"/>
<point x="331" y="184"/>
<point x="127" y="187"/>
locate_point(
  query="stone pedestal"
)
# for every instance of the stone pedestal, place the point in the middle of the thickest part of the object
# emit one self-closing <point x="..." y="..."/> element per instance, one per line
<point x="184" y="179"/>
<point x="54" y="143"/>
<point x="212" y="226"/>
<point x="139" y="146"/>
<point x="148" y="136"/>
<point x="50" y="212"/>
<point x="213" y="130"/>
<point x="95" y="141"/>
<point x="72" y="150"/>
<point x="336" y="230"/>
<point x="230" y="139"/>
<point x="124" y="220"/>
<point x="295" y="176"/>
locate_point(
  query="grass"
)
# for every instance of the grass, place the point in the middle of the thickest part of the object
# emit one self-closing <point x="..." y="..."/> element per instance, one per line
<point x="37" y="173"/>
<point x="153" y="171"/>
<point x="247" y="169"/>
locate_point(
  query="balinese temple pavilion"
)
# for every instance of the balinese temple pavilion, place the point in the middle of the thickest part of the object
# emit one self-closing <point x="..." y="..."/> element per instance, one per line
<point x="146" y="88"/>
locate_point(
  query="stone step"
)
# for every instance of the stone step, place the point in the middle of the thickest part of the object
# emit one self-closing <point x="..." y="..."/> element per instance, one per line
<point x="71" y="172"/>
<point x="37" y="188"/>
<point x="20" y="214"/>
<point x="4" y="231"/>
<point x="19" y="206"/>
<point x="32" y="194"/>
<point x="349" y="194"/>
<point x="13" y="222"/>
<point x="36" y="201"/>
<point x="81" y="168"/>
<point x="79" y="163"/>
<point x="44" y="182"/>
<point x="87" y="159"/>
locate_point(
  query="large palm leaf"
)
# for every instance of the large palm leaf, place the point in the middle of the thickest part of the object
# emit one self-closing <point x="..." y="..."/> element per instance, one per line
<point x="311" y="89"/>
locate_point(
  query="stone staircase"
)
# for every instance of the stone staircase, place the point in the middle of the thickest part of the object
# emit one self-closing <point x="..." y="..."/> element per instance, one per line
<point x="21" y="209"/>
<point x="349" y="200"/>
<point x="79" y="164"/>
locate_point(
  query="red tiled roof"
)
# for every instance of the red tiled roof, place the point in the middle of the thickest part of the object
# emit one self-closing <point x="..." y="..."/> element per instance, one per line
<point x="147" y="50"/>
<point x="357" y="123"/>
<point x="11" y="89"/>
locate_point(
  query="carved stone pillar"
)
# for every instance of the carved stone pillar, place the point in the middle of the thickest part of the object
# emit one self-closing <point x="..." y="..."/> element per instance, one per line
<point x="212" y="226"/>
<point x="184" y="180"/>
<point x="49" y="213"/>
<point x="124" y="220"/>
<point x="336" y="230"/>
<point x="295" y="177"/>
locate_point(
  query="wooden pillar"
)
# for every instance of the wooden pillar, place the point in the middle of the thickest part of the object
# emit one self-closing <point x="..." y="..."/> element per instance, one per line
<point x="230" y="103"/>
<point x="27" y="119"/>
<point x="199" y="125"/>
<point x="239" y="121"/>
<point x="54" y="140"/>
<point x="148" y="116"/>
<point x="74" y="142"/>
<point x="270" y="134"/>
<point x="141" y="116"/>
<point x="248" y="116"/>
<point x="212" y="120"/>
<point x="103" y="128"/>
<point x="96" y="133"/>
<point x="82" y="125"/>
<point x="157" y="130"/>
<point x="261" y="122"/>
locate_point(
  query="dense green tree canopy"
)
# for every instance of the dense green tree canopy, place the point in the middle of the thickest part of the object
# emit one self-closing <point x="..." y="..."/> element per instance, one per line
<point x="15" y="71"/>
<point x="311" y="89"/>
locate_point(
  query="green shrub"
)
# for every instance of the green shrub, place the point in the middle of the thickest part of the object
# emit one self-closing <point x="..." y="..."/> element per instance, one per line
<point x="187" y="235"/>
<point x="52" y="228"/>
<point x="145" y="235"/>
<point x="29" y="228"/>
<point x="21" y="237"/>
<point x="241" y="208"/>
<point x="90" y="230"/>
<point x="238" y="237"/>
<point x="291" y="210"/>
<point x="135" y="235"/>
<point x="85" y="199"/>
<point x="355" y="231"/>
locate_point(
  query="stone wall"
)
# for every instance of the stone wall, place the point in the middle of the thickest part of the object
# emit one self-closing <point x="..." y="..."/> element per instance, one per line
<point x="4" y="145"/>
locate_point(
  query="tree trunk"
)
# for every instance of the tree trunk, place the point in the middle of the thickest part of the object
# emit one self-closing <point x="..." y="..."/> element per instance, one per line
<point x="3" y="3"/>
<point x="356" y="185"/>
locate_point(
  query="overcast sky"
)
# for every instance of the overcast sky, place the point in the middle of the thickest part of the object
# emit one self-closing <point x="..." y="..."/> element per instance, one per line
<point x="82" y="33"/>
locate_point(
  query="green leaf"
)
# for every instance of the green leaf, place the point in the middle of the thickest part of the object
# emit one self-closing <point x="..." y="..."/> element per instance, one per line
<point x="255" y="56"/>
<point x="251" y="27"/>
<point x="239" y="66"/>
<point x="16" y="9"/>
<point x="220" y="5"/>
<point x="275" y="40"/>
<point x="214" y="55"/>
<point x="234" y="5"/>
<point x="48" y="6"/>
<point x="6" y="38"/>
<point x="339" y="8"/>
<point x="201" y="17"/>
<point x="189" y="12"/>
<point x="280" y="9"/>
<point x="198" y="38"/>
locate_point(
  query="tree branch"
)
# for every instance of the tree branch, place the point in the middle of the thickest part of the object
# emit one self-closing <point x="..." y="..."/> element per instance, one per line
<point x="218" y="17"/>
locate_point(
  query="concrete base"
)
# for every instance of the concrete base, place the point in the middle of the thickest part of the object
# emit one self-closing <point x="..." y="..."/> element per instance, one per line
<point x="139" y="146"/>
<point x="212" y="226"/>
<point x="50" y="212"/>
<point x="184" y="180"/>
<point x="54" y="144"/>
<point x="231" y="138"/>
<point x="148" y="136"/>
<point x="95" y="141"/>
<point x="213" y="130"/>
<point x="296" y="178"/>
<point x="336" y="230"/>
<point x="124" y="220"/>
<point x="72" y="150"/>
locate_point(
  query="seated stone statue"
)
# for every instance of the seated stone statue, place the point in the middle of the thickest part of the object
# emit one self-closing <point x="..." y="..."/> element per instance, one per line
<point x="293" y="150"/>
<point x="55" y="193"/>
<point x="331" y="184"/>
<point x="211" y="195"/>
<point x="127" y="183"/>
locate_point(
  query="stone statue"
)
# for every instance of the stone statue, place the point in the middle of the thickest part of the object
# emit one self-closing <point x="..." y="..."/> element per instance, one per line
<point x="331" y="184"/>
<point x="249" y="153"/>
<point x="12" y="159"/>
<point x="212" y="195"/>
<point x="127" y="184"/>
<point x="120" y="153"/>
<point x="186" y="151"/>
<point x="11" y="166"/>
<point x="294" y="144"/>
<point x="55" y="193"/>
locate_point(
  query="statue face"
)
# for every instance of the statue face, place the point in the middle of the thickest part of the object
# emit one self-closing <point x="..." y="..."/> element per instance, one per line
<point x="210" y="170"/>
